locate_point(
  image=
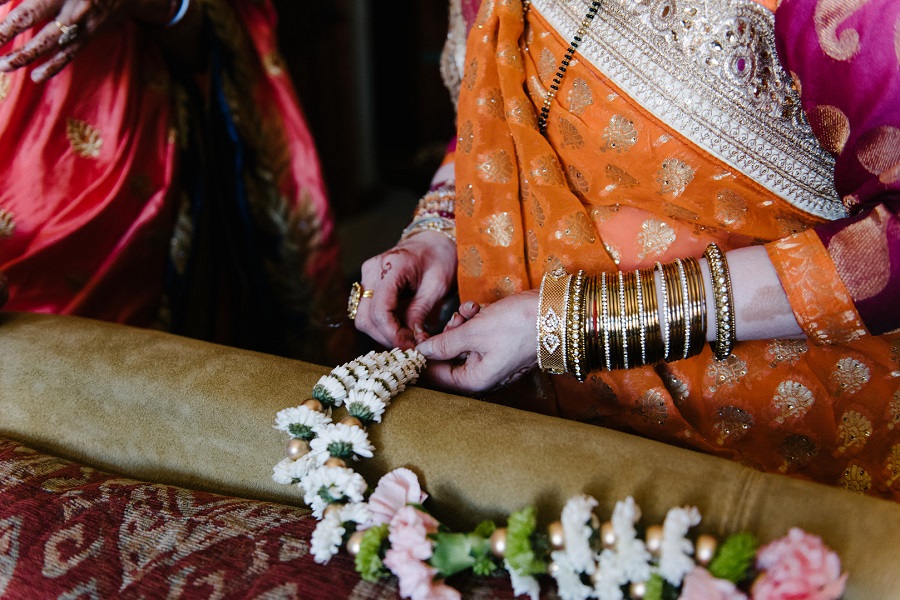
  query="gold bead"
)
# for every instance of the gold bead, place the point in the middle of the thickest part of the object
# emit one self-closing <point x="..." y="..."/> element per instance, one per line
<point x="607" y="535"/>
<point x="334" y="461"/>
<point x="296" y="448"/>
<point x="653" y="539"/>
<point x="638" y="589"/>
<point x="557" y="536"/>
<point x="354" y="542"/>
<point x="498" y="542"/>
<point x="705" y="548"/>
<point x="352" y="422"/>
<point x="313" y="404"/>
<point x="552" y="568"/>
<point x="332" y="508"/>
<point x="595" y="522"/>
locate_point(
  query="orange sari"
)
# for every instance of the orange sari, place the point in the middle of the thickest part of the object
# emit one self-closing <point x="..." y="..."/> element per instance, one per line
<point x="623" y="180"/>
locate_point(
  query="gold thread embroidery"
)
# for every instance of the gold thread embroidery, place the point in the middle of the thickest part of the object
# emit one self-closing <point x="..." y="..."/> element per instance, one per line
<point x="856" y="479"/>
<point x="521" y="113"/>
<point x="849" y="376"/>
<point x="465" y="201"/>
<point x="796" y="451"/>
<point x="864" y="278"/>
<point x="679" y="213"/>
<point x="495" y="167"/>
<point x="537" y="211"/>
<point x="531" y="242"/>
<point x="490" y="104"/>
<point x="601" y="214"/>
<point x="85" y="140"/>
<point x="785" y="351"/>
<point x="673" y="176"/>
<point x="546" y="170"/>
<point x="879" y="149"/>
<point x="471" y="262"/>
<point x="499" y="229"/>
<point x="732" y="423"/>
<point x="570" y="135"/>
<point x="578" y="183"/>
<point x="5" y="85"/>
<point x="792" y="401"/>
<point x="620" y="135"/>
<point x="580" y="96"/>
<point x="892" y="466"/>
<point x="547" y="65"/>
<point x="655" y="238"/>
<point x="725" y="372"/>
<point x="619" y="177"/>
<point x="470" y="74"/>
<point x="730" y="207"/>
<point x="7" y="223"/>
<point x="466" y="136"/>
<point x="831" y="126"/>
<point x="578" y="229"/>
<point x="828" y="16"/>
<point x="892" y="412"/>
<point x="509" y="55"/>
<point x="505" y="287"/>
<point x="553" y="264"/>
<point x="651" y="407"/>
<point x="853" y="432"/>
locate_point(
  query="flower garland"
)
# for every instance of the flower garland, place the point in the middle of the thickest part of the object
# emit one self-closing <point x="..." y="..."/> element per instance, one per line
<point x="392" y="532"/>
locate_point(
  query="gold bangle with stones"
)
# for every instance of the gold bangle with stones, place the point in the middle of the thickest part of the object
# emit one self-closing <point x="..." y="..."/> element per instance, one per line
<point x="612" y="321"/>
<point x="697" y="302"/>
<point x="575" y="363"/>
<point x="622" y="317"/>
<point x="604" y="320"/>
<point x="724" y="302"/>
<point x="551" y="321"/>
<point x="663" y="310"/>
<point x="685" y="306"/>
<point x="632" y="320"/>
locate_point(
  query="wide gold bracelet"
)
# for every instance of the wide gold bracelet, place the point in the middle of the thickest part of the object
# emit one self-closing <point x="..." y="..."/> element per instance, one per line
<point x="724" y="301"/>
<point x="551" y="322"/>
<point x="574" y="326"/>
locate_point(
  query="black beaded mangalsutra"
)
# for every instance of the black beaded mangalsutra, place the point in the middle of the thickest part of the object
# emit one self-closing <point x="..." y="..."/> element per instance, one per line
<point x="564" y="64"/>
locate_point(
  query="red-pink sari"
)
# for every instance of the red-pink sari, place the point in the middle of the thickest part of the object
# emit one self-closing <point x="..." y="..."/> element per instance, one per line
<point x="119" y="203"/>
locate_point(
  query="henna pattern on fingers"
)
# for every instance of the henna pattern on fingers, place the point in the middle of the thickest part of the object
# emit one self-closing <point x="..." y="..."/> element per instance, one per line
<point x="385" y="269"/>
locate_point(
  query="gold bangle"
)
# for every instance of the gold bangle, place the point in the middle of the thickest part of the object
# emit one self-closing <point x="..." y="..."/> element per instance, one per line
<point x="724" y="300"/>
<point x="675" y="314"/>
<point x="604" y="320"/>
<point x="551" y="321"/>
<point x="651" y="317"/>
<point x="575" y="341"/>
<point x="663" y="310"/>
<point x="697" y="293"/>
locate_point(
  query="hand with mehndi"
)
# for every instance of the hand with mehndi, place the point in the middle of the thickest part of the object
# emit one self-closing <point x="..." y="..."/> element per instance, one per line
<point x="63" y="27"/>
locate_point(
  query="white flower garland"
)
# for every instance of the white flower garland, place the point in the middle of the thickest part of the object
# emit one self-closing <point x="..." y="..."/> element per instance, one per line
<point x="586" y="559"/>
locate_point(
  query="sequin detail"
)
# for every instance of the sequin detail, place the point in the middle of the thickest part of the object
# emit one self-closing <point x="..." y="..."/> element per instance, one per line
<point x="856" y="479"/>
<point x="732" y="423"/>
<point x="785" y="351"/>
<point x="848" y="377"/>
<point x="853" y="431"/>
<point x="499" y="229"/>
<point x="725" y="373"/>
<point x="85" y="140"/>
<point x="651" y="407"/>
<point x="655" y="238"/>
<point x="7" y="223"/>
<point x="673" y="176"/>
<point x="796" y="451"/>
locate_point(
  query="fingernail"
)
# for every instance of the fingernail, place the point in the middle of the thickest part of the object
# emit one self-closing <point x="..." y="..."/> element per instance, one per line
<point x="417" y="328"/>
<point x="4" y="65"/>
<point x="469" y="305"/>
<point x="425" y="348"/>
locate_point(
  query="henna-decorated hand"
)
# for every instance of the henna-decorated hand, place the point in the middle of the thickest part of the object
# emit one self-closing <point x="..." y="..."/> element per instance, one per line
<point x="484" y="349"/>
<point x="65" y="27"/>
<point x="424" y="266"/>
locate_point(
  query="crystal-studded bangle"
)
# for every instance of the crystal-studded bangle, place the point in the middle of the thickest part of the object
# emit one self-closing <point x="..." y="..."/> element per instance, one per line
<point x="435" y="211"/>
<point x="574" y="339"/>
<point x="551" y="322"/>
<point x="724" y="301"/>
<point x="442" y="225"/>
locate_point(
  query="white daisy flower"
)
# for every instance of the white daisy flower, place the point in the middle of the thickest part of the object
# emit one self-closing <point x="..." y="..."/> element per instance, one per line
<point x="298" y="420"/>
<point x="376" y="385"/>
<point x="523" y="585"/>
<point x="568" y="581"/>
<point x="331" y="389"/>
<point x="576" y="523"/>
<point x="327" y="537"/>
<point x="366" y="403"/>
<point x="345" y="376"/>
<point x="675" y="551"/>
<point x="288" y="471"/>
<point x="357" y="512"/>
<point x="634" y="558"/>
<point x="360" y="371"/>
<point x="342" y="441"/>
<point x="325" y="485"/>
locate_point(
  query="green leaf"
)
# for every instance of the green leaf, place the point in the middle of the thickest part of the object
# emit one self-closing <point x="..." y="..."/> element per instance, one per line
<point x="304" y="432"/>
<point x="452" y="553"/>
<point x="520" y="552"/>
<point x="735" y="557"/>
<point x="654" y="588"/>
<point x="371" y="547"/>
<point x="485" y="529"/>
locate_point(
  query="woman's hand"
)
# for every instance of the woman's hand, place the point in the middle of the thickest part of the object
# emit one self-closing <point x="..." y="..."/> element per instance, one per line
<point x="493" y="347"/>
<point x="66" y="26"/>
<point x="424" y="266"/>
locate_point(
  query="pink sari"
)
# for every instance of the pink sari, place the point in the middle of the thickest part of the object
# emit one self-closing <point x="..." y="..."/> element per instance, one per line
<point x="118" y="203"/>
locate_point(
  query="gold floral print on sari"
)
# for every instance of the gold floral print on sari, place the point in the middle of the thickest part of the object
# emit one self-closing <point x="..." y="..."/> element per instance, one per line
<point x="796" y="451"/>
<point x="578" y="183"/>
<point x="856" y="479"/>
<point x="655" y="238"/>
<point x="673" y="176"/>
<point x="537" y="211"/>
<point x="785" y="351"/>
<point x="491" y="104"/>
<point x="521" y="113"/>
<point x="731" y="424"/>
<point x="546" y="170"/>
<point x="547" y="65"/>
<point x="854" y="431"/>
<point x="569" y="133"/>
<point x="495" y="167"/>
<point x="725" y="373"/>
<point x="730" y="207"/>
<point x="848" y="377"/>
<point x="5" y="85"/>
<point x="651" y="407"/>
<point x="510" y="56"/>
<point x="892" y="412"/>
<point x="580" y="96"/>
<point x="578" y="229"/>
<point x="7" y="223"/>
<point x="620" y="135"/>
<point x="619" y="177"/>
<point x="892" y="467"/>
<point x="85" y="140"/>
<point x="466" y="136"/>
<point x="465" y="200"/>
<point x="831" y="126"/>
<point x="828" y="17"/>
<point x="532" y="246"/>
<point x="471" y="263"/>
<point x="879" y="149"/>
<point x="499" y="229"/>
<point x="791" y="402"/>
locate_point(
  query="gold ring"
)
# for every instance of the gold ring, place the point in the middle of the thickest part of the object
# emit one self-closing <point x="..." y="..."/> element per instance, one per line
<point x="68" y="33"/>
<point x="356" y="294"/>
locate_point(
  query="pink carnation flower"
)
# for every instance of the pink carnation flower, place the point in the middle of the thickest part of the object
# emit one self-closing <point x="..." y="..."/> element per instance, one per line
<point x="394" y="491"/>
<point x="701" y="585"/>
<point x="409" y="532"/>
<point x="798" y="567"/>
<point x="416" y="578"/>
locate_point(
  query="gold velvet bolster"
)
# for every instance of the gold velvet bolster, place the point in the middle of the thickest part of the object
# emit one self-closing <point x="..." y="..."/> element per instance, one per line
<point x="167" y="409"/>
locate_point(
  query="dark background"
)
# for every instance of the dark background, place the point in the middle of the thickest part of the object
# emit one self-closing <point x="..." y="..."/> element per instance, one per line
<point x="368" y="77"/>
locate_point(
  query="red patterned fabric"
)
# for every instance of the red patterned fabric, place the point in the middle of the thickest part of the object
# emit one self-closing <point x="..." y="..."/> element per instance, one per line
<point x="68" y="531"/>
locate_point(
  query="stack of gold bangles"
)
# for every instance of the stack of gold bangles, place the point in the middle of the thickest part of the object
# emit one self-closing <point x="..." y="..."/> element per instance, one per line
<point x="619" y="321"/>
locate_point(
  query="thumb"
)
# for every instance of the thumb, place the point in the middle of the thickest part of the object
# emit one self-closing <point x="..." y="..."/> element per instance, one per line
<point x="426" y="299"/>
<point x="445" y="346"/>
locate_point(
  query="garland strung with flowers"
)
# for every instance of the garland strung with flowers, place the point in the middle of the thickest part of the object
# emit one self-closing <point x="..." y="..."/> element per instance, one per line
<point x="392" y="532"/>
